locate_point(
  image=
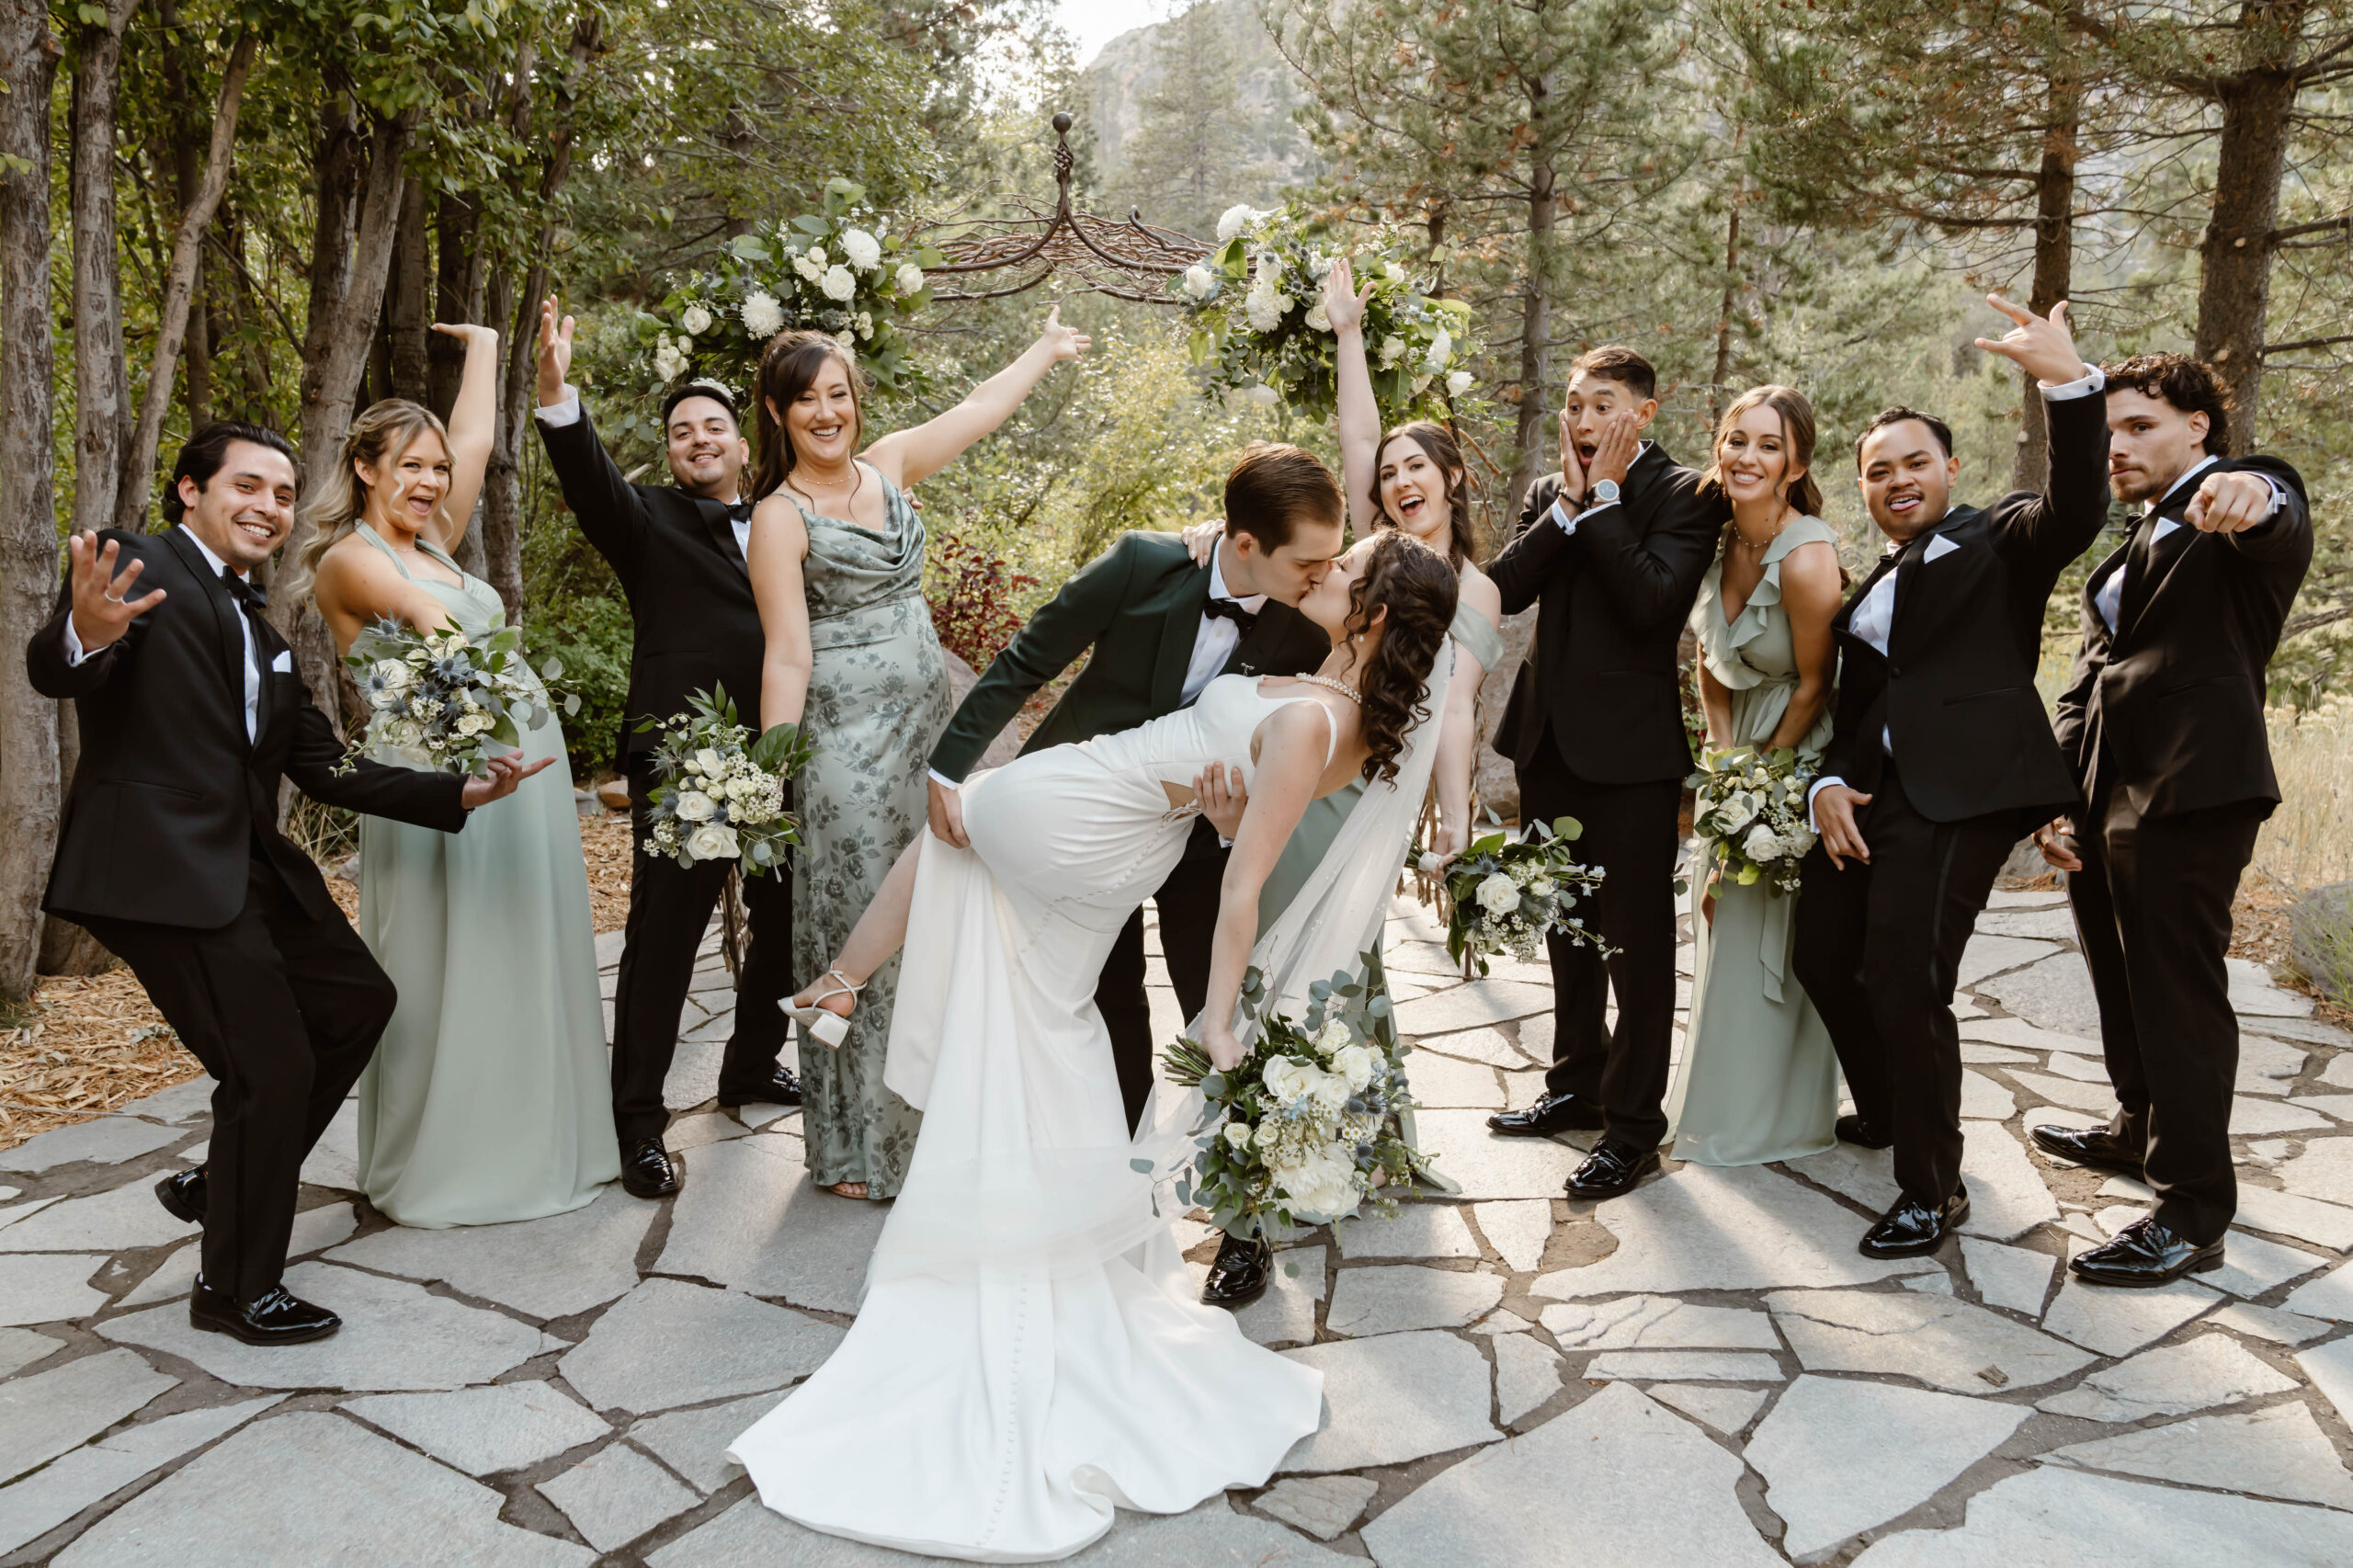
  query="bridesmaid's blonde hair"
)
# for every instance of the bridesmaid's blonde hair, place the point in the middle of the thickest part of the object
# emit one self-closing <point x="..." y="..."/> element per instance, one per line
<point x="334" y="509"/>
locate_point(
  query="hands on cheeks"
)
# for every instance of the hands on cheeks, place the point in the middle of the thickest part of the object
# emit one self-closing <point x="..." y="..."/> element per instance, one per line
<point x="507" y="773"/>
<point x="1833" y="819"/>
<point x="1613" y="455"/>
<point x="2230" y="503"/>
<point x="1573" y="475"/>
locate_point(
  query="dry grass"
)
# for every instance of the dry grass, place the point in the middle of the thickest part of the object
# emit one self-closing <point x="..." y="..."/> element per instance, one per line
<point x="2308" y="840"/>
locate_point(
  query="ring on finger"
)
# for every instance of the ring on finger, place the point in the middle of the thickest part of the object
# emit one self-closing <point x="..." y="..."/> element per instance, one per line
<point x="111" y="599"/>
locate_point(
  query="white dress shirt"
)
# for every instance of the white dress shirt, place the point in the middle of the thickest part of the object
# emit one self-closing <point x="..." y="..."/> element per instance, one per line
<point x="557" y="415"/>
<point x="75" y="653"/>
<point x="1568" y="523"/>
<point x="2110" y="597"/>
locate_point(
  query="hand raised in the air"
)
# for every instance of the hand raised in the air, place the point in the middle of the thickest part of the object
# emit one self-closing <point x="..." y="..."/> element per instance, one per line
<point x="555" y="353"/>
<point x="2044" y="346"/>
<point x="1062" y="342"/>
<point x="1343" y="305"/>
<point x="103" y="608"/>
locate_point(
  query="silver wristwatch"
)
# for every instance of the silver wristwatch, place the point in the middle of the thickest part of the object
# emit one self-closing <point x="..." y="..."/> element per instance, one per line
<point x="1602" y="494"/>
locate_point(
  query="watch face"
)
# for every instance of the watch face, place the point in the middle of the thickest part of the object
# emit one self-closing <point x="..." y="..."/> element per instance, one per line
<point x="1606" y="490"/>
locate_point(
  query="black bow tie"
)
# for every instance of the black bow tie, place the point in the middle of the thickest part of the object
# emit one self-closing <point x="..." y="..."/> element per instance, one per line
<point x="1227" y="609"/>
<point x="252" y="600"/>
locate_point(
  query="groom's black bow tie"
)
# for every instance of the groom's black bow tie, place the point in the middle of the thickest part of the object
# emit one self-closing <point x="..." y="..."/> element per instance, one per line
<point x="252" y="600"/>
<point x="1248" y="620"/>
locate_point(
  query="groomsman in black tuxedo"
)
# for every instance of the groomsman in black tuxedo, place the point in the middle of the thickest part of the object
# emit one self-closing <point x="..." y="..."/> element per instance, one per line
<point x="191" y="712"/>
<point x="1940" y="760"/>
<point x="1611" y="550"/>
<point x="2164" y="727"/>
<point x="679" y="553"/>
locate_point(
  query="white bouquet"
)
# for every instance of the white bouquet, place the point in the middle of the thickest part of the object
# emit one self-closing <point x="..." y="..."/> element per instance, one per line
<point x="722" y="792"/>
<point x="1750" y="814"/>
<point x="439" y="701"/>
<point x="1508" y="896"/>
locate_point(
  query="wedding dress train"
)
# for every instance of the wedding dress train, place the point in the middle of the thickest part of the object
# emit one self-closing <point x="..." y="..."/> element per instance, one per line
<point x="1029" y="1355"/>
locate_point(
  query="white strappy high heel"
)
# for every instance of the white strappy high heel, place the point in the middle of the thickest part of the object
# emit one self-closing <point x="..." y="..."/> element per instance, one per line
<point x="828" y="1026"/>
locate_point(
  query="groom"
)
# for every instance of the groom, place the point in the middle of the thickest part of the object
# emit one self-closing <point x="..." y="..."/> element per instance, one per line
<point x="679" y="553"/>
<point x="1161" y="628"/>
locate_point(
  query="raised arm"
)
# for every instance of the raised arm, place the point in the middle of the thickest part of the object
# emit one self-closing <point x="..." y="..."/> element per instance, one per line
<point x="2053" y="529"/>
<point x="779" y="543"/>
<point x="607" y="505"/>
<point x="97" y="614"/>
<point x="1291" y="748"/>
<point x="909" y="457"/>
<point x="474" y="428"/>
<point x="1360" y="411"/>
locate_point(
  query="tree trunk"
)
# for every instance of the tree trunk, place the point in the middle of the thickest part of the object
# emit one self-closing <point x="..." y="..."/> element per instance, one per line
<point x="457" y="294"/>
<point x="101" y="390"/>
<point x="65" y="947"/>
<point x="408" y="299"/>
<point x="29" y="787"/>
<point x="2235" y="283"/>
<point x="1723" y="319"/>
<point x="186" y="154"/>
<point x="1529" y="433"/>
<point x="2054" y="261"/>
<point x="179" y="290"/>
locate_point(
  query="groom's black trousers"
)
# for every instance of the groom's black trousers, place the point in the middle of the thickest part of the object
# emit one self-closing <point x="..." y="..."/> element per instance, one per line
<point x="669" y="908"/>
<point x="1186" y="903"/>
<point x="284" y="1011"/>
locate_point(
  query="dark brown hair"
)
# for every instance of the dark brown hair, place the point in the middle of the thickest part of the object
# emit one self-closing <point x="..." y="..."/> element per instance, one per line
<point x="789" y="366"/>
<point x="2187" y="384"/>
<point x="1274" y="489"/>
<point x="1797" y="441"/>
<point x="1438" y="445"/>
<point x="1897" y="416"/>
<point x="206" y="451"/>
<point x="1418" y="588"/>
<point x="1616" y="362"/>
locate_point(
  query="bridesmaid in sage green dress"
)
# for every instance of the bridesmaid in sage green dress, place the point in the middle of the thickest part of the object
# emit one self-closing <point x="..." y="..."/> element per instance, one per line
<point x="487" y="1099"/>
<point x="1758" y="1080"/>
<point x="836" y="562"/>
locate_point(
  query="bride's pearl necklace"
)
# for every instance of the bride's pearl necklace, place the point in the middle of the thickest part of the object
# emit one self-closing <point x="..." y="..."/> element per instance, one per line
<point x="1342" y="688"/>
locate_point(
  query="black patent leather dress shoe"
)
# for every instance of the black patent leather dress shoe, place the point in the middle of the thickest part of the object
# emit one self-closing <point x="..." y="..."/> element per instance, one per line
<point x="183" y="1193"/>
<point x="1862" y="1134"/>
<point x="781" y="1088"/>
<point x="1912" y="1227"/>
<point x="646" y="1170"/>
<point x="1611" y="1171"/>
<point x="2144" y="1253"/>
<point x="1553" y="1113"/>
<point x="1239" y="1276"/>
<point x="2091" y="1146"/>
<point x="274" y="1317"/>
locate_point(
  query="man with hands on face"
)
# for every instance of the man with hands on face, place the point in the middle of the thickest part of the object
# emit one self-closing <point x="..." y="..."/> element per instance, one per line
<point x="1612" y="549"/>
<point x="2162" y="725"/>
<point x="191" y="710"/>
<point x="1940" y="760"/>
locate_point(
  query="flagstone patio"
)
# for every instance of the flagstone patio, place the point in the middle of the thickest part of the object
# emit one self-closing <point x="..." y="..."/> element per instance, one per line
<point x="1702" y="1373"/>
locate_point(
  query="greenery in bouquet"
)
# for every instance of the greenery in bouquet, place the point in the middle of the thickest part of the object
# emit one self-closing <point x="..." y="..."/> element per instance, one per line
<point x="1259" y="328"/>
<point x="1506" y="895"/>
<point x="440" y="702"/>
<point x="1312" y="1123"/>
<point x="719" y="793"/>
<point x="841" y="271"/>
<point x="1749" y="812"/>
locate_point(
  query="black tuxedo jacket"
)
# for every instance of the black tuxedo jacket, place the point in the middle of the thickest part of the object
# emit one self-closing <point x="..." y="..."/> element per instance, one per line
<point x="1956" y="687"/>
<point x="2169" y="706"/>
<point x="170" y="800"/>
<point x="689" y="592"/>
<point x="1613" y="599"/>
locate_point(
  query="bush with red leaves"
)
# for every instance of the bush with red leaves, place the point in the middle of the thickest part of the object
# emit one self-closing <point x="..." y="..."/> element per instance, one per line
<point x="972" y="593"/>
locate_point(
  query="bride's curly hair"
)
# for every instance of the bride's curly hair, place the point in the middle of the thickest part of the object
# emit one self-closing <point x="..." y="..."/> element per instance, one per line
<point x="1419" y="588"/>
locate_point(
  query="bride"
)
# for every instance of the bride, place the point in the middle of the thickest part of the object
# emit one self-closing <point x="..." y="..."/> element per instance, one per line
<point x="1027" y="1357"/>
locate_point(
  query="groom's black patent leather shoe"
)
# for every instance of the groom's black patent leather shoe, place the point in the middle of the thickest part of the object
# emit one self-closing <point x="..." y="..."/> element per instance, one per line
<point x="780" y="1089"/>
<point x="1611" y="1170"/>
<point x="274" y="1317"/>
<point x="2145" y="1253"/>
<point x="2094" y="1146"/>
<point x="183" y="1193"/>
<point x="646" y="1170"/>
<point x="1912" y="1228"/>
<point x="1862" y="1134"/>
<point x="1553" y="1113"/>
<point x="1239" y="1276"/>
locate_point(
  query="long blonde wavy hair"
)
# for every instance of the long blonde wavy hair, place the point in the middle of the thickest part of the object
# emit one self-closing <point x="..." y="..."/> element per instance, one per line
<point x="335" y="509"/>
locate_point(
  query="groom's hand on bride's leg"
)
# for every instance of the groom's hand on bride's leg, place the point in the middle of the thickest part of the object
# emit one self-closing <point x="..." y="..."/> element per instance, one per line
<point x="948" y="816"/>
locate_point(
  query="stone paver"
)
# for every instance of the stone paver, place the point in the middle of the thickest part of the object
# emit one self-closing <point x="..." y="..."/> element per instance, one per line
<point x="1487" y="1167"/>
<point x="1393" y="1399"/>
<point x="544" y="1268"/>
<point x="21" y="1348"/>
<point x="1323" y="1505"/>
<point x="2278" y="1452"/>
<point x="2008" y="1277"/>
<point x="1420" y="1230"/>
<point x="1944" y="1342"/>
<point x="668" y="1343"/>
<point x="2015" y="1521"/>
<point x="46" y="1499"/>
<point x="1727" y="1410"/>
<point x="49" y="1286"/>
<point x="43" y="1416"/>
<point x="1658" y="1323"/>
<point x="1471" y="1005"/>
<point x="105" y="1139"/>
<point x="2197" y="1374"/>
<point x="695" y="1442"/>
<point x="2055" y="995"/>
<point x="485" y="1430"/>
<point x="313" y="1230"/>
<point x="1683" y="1366"/>
<point x="750" y="1219"/>
<point x="2116" y="1323"/>
<point x="1527" y="1374"/>
<point x="1396" y="1297"/>
<point x="2287" y="1214"/>
<point x="120" y="1221"/>
<point x="617" y="1494"/>
<point x="1286" y="1313"/>
<point x="1518" y="1229"/>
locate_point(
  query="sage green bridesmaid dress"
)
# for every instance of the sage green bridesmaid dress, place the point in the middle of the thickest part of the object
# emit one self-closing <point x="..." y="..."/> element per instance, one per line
<point x="488" y="1099"/>
<point x="1758" y="1080"/>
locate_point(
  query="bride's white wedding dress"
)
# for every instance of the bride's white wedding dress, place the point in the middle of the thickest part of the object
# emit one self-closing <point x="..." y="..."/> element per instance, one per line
<point x="1030" y="1354"/>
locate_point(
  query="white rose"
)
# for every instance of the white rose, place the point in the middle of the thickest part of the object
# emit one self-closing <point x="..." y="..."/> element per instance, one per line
<point x="809" y="265"/>
<point x="696" y="320"/>
<point x="1355" y="1064"/>
<point x="1237" y="1135"/>
<point x="1541" y="887"/>
<point x="1200" y="282"/>
<point x="394" y="673"/>
<point x="1499" y="895"/>
<point x="1235" y="219"/>
<point x="1286" y="1079"/>
<point x="1441" y="350"/>
<point x="709" y="764"/>
<point x="1800" y="841"/>
<point x="1264" y="396"/>
<point x="817" y="255"/>
<point x="865" y="252"/>
<point x="1459" y="383"/>
<point x="402" y="732"/>
<point x="866" y="324"/>
<point x="1330" y="1092"/>
<point x="838" y="283"/>
<point x="1333" y="1036"/>
<point x="1738" y="812"/>
<point x="1764" y="845"/>
<point x="696" y="806"/>
<point x="669" y="363"/>
<point x="473" y="723"/>
<point x="910" y="278"/>
<point x="712" y="841"/>
<point x="1317" y="319"/>
<point x="383" y="701"/>
<point x="1392" y="348"/>
<point x="763" y="316"/>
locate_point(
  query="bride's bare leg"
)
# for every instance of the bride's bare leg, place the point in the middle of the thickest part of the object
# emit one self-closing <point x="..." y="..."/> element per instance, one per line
<point x="878" y="934"/>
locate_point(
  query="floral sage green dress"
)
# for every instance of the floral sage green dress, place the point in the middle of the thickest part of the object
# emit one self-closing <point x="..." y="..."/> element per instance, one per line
<point x="877" y="702"/>
<point x="1758" y="1080"/>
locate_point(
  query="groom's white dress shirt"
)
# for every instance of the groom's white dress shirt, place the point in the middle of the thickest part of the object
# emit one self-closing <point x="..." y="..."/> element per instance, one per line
<point x="74" y="655"/>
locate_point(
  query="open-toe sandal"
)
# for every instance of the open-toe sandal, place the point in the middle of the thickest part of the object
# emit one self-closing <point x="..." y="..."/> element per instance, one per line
<point x="828" y="1026"/>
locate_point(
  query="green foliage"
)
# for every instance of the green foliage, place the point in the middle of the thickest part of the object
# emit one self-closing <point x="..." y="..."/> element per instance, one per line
<point x="593" y="638"/>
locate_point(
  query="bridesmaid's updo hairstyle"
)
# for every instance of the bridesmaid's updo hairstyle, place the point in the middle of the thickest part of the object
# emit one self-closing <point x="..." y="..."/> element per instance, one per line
<point x="1437" y="444"/>
<point x="789" y="366"/>
<point x="1419" y="588"/>
<point x="1797" y="441"/>
<point x="1274" y="489"/>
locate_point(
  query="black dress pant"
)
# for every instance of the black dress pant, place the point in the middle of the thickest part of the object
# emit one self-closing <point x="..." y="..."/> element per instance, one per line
<point x="1879" y="948"/>
<point x="284" y="1011"/>
<point x="1187" y="905"/>
<point x="669" y="908"/>
<point x="1630" y="833"/>
<point x="2153" y="908"/>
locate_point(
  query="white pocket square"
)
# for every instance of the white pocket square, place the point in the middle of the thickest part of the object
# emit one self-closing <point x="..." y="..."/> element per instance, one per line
<point x="1938" y="546"/>
<point x="283" y="663"/>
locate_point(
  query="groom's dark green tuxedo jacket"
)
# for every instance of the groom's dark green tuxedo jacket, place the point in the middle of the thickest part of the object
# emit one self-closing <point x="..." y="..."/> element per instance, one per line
<point x="1138" y="605"/>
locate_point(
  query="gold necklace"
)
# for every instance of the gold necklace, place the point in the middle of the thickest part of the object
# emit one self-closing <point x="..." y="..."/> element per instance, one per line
<point x="837" y="483"/>
<point x="1342" y="688"/>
